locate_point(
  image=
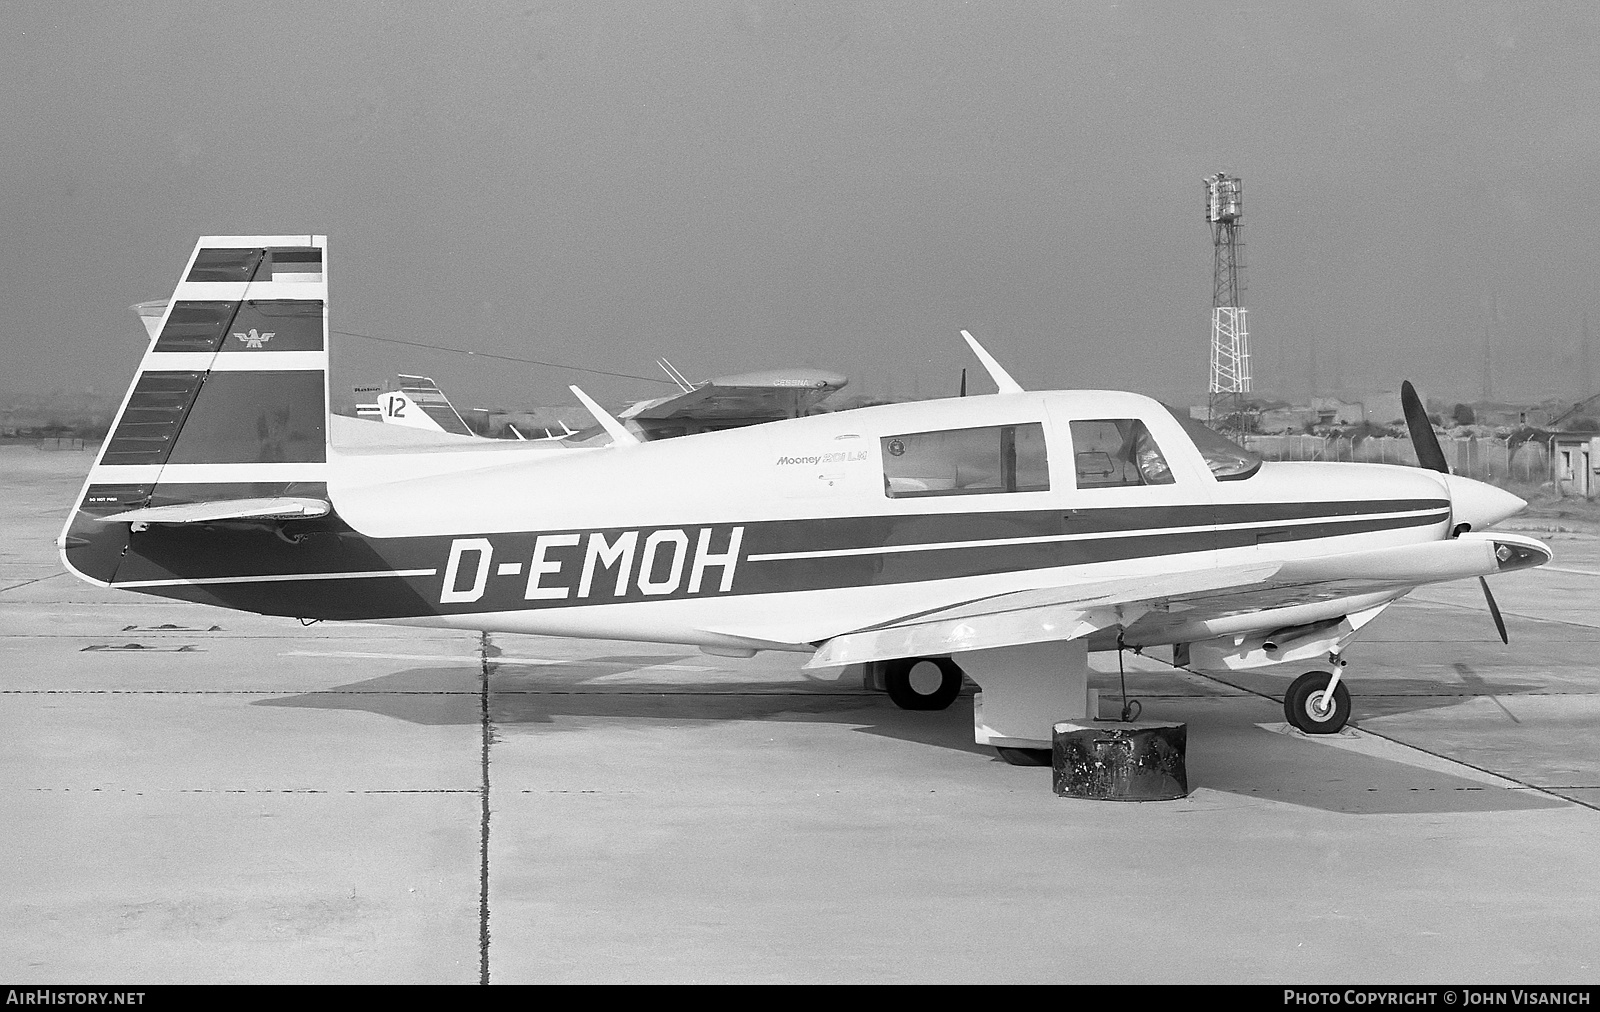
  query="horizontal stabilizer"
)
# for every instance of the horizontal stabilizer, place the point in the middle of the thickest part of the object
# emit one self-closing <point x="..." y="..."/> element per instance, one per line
<point x="277" y="508"/>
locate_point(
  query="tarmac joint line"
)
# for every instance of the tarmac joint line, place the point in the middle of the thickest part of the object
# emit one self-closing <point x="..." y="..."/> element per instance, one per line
<point x="1381" y="746"/>
<point x="485" y="651"/>
<point x="29" y="583"/>
<point x="1357" y="739"/>
<point x="259" y="790"/>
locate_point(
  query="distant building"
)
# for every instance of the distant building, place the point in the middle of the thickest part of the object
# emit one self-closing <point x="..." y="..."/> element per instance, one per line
<point x="1500" y="415"/>
<point x="1379" y="408"/>
<point x="1283" y="418"/>
<point x="1575" y="463"/>
<point x="1333" y="411"/>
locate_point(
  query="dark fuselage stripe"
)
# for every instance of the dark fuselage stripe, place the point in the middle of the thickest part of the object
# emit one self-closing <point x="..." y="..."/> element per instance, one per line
<point x="306" y="572"/>
<point x="1427" y="515"/>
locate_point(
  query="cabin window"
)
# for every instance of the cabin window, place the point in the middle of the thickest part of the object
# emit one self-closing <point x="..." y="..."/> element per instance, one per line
<point x="1114" y="452"/>
<point x="998" y="458"/>
<point x="1227" y="460"/>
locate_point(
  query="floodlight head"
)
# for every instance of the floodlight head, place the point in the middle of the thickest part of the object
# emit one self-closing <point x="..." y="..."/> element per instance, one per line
<point x="1224" y="198"/>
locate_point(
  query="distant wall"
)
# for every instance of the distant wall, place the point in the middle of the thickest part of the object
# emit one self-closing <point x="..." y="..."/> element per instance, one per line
<point x="75" y="443"/>
<point x="1484" y="458"/>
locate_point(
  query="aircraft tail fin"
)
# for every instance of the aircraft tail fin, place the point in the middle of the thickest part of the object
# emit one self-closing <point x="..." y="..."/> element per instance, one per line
<point x="421" y="404"/>
<point x="230" y="400"/>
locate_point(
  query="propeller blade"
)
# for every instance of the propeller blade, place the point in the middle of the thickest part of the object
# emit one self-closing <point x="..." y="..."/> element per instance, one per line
<point x="963" y="383"/>
<point x="1429" y="455"/>
<point x="1494" y="609"/>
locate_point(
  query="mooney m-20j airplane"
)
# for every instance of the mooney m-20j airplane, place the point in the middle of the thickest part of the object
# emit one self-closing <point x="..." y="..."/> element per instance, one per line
<point x="1001" y="536"/>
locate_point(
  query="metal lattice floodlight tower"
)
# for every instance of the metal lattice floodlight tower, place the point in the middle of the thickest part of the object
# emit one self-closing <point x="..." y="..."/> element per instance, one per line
<point x="1230" y="332"/>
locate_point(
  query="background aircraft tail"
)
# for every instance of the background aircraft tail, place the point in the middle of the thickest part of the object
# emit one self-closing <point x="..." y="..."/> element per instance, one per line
<point x="420" y="404"/>
<point x="230" y="401"/>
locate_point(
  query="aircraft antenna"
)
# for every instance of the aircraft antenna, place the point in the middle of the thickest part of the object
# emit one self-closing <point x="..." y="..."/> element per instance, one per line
<point x="1230" y="332"/>
<point x="997" y="372"/>
<point x="620" y="436"/>
<point x="676" y="376"/>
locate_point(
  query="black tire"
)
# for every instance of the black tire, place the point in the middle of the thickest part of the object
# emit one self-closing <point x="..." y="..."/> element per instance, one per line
<point x="910" y="684"/>
<point x="1026" y="756"/>
<point x="1300" y="704"/>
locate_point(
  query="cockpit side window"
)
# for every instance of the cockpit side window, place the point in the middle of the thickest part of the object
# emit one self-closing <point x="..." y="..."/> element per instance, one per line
<point x="1227" y="460"/>
<point x="1115" y="452"/>
<point x="997" y="458"/>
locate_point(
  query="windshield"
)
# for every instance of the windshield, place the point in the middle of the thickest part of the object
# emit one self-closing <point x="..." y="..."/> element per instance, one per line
<point x="1228" y="460"/>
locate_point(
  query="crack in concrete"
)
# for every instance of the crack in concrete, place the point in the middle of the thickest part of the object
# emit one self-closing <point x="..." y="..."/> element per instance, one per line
<point x="260" y="790"/>
<point x="238" y="692"/>
<point x="484" y="652"/>
<point x="29" y="583"/>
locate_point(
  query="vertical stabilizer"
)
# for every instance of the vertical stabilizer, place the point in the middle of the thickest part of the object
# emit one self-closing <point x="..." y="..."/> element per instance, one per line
<point x="420" y="403"/>
<point x="230" y="400"/>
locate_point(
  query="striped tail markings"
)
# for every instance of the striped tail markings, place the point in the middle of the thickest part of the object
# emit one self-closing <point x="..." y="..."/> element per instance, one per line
<point x="230" y="400"/>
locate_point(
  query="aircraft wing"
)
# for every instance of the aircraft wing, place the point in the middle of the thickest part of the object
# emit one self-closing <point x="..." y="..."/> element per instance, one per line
<point x="1031" y="616"/>
<point x="1180" y="600"/>
<point x="777" y="393"/>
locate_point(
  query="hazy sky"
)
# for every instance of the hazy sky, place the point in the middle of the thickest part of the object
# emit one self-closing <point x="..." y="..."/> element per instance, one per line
<point x="738" y="185"/>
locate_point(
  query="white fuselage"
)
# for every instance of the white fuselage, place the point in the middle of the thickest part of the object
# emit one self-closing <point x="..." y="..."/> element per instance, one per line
<point x="824" y="478"/>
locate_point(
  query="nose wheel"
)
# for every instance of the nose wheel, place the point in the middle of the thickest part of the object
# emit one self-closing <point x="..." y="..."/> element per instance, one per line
<point x="1310" y="706"/>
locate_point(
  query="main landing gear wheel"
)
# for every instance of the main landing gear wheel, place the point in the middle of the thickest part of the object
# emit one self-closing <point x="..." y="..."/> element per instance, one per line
<point x="1025" y="756"/>
<point x="1306" y="705"/>
<point x="922" y="683"/>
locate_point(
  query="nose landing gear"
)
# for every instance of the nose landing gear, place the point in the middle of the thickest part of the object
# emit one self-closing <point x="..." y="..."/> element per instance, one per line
<point x="1317" y="703"/>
